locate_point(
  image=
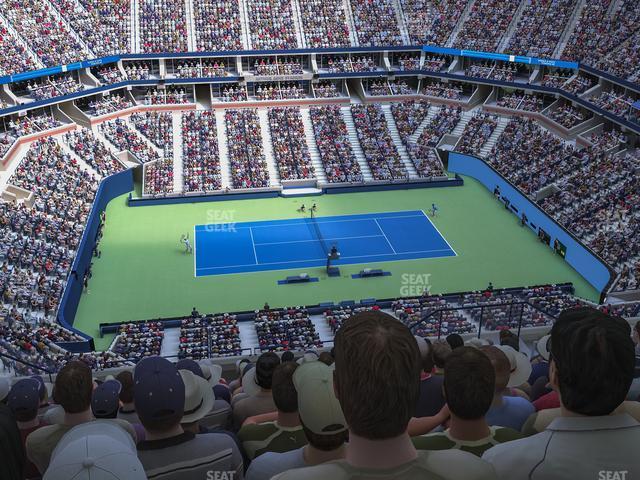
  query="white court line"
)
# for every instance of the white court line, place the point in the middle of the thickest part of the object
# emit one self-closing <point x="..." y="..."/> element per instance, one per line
<point x="305" y="223"/>
<point x="253" y="244"/>
<point x="323" y="259"/>
<point x="317" y="240"/>
<point x="385" y="236"/>
<point x="442" y="236"/>
<point x="195" y="266"/>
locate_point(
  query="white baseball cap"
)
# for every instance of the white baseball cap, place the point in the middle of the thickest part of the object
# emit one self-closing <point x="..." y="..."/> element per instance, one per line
<point x="318" y="406"/>
<point x="98" y="450"/>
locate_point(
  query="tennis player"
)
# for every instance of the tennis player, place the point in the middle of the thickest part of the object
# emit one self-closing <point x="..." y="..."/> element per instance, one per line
<point x="434" y="209"/>
<point x="187" y="244"/>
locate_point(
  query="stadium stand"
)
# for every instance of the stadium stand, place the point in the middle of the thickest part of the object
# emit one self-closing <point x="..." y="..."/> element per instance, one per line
<point x="573" y="151"/>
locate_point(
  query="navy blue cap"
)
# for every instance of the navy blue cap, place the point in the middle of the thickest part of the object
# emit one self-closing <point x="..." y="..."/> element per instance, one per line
<point x="43" y="388"/>
<point x="191" y="365"/>
<point x="158" y="391"/>
<point x="106" y="399"/>
<point x="24" y="396"/>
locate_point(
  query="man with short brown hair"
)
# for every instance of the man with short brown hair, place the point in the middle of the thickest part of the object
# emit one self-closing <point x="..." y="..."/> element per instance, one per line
<point x="73" y="390"/>
<point x="376" y="379"/>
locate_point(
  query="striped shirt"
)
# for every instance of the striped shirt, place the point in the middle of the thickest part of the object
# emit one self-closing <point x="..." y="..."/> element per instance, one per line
<point x="270" y="437"/>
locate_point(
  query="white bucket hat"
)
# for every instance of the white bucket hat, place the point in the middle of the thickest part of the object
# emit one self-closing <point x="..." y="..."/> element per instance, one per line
<point x="198" y="397"/>
<point x="520" y="366"/>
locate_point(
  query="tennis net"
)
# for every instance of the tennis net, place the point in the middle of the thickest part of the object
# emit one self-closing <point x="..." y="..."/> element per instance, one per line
<point x="319" y="233"/>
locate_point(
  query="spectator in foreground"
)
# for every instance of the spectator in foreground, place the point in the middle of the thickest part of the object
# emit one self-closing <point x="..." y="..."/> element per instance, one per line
<point x="256" y="384"/>
<point x="506" y="410"/>
<point x="105" y="401"/>
<point x="430" y="399"/>
<point x="285" y="433"/>
<point x="95" y="450"/>
<point x="128" y="409"/>
<point x="587" y="438"/>
<point x="323" y="421"/>
<point x="72" y="391"/>
<point x="168" y="451"/>
<point x="23" y="400"/>
<point x="377" y="375"/>
<point x="11" y="449"/>
<point x="469" y="381"/>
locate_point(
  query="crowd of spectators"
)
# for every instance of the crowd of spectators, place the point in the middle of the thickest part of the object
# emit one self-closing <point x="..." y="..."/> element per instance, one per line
<point x="616" y="103"/>
<point x="345" y="63"/>
<point x="376" y="142"/>
<point x="109" y="104"/>
<point x="279" y="66"/>
<point x="287" y="329"/>
<point x="33" y="123"/>
<point x="290" y="148"/>
<point x="449" y="90"/>
<point x="163" y="26"/>
<point x="40" y="242"/>
<point x="599" y="201"/>
<point x="326" y="90"/>
<point x="324" y="23"/>
<point x="431" y="22"/>
<point x="529" y="156"/>
<point x="233" y="93"/>
<point x="201" y="69"/>
<point x="418" y="314"/>
<point x="400" y="87"/>
<point x="15" y="58"/>
<point x="246" y="152"/>
<point x="53" y="87"/>
<point x="406" y="62"/>
<point x="332" y="139"/>
<point x="216" y="26"/>
<point x="6" y="142"/>
<point x="495" y="71"/>
<point x="207" y="336"/>
<point x="556" y="78"/>
<point x="166" y="96"/>
<point x="103" y="27"/>
<point x="95" y="153"/>
<point x="623" y="61"/>
<point x="139" y="340"/>
<point x="434" y="63"/>
<point x="280" y="91"/>
<point x="485" y="26"/>
<point x="540" y="27"/>
<point x="271" y="25"/>
<point x="200" y="154"/>
<point x="158" y="128"/>
<point x="137" y="70"/>
<point x="47" y="36"/>
<point x="109" y="74"/>
<point x="521" y="101"/>
<point x="120" y="134"/>
<point x="476" y="133"/>
<point x="408" y="117"/>
<point x="567" y="115"/>
<point x="158" y="177"/>
<point x="337" y="315"/>
<point x="376" y="23"/>
<point x="444" y="121"/>
<point x="377" y="87"/>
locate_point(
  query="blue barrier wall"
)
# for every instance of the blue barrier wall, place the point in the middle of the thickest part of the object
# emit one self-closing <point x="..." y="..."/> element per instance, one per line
<point x="109" y="188"/>
<point x="583" y="260"/>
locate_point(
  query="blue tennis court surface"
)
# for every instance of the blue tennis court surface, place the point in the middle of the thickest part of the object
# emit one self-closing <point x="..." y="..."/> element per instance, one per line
<point x="296" y="243"/>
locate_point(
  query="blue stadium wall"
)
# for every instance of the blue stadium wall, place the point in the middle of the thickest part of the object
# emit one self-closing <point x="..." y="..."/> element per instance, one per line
<point x="581" y="258"/>
<point x="110" y="188"/>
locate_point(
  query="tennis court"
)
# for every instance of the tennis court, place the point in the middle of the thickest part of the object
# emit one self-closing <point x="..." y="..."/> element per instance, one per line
<point x="301" y="243"/>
